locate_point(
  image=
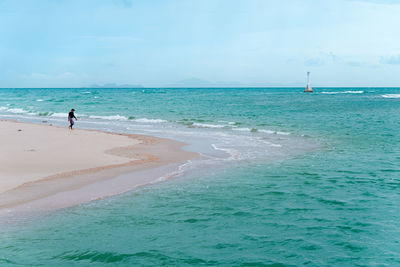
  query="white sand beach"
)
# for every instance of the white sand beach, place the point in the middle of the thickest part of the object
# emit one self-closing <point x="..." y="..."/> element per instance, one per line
<point x="38" y="161"/>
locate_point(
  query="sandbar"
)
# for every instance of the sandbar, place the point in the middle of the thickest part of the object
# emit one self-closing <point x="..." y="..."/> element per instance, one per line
<point x="40" y="161"/>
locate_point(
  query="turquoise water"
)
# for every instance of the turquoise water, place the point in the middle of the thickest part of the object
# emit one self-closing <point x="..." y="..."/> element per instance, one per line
<point x="296" y="179"/>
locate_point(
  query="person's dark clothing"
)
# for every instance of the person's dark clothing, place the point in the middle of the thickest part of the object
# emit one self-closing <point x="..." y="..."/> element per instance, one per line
<point x="71" y="115"/>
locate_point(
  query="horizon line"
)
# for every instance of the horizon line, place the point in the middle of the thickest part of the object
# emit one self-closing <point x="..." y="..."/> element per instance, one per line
<point x="198" y="87"/>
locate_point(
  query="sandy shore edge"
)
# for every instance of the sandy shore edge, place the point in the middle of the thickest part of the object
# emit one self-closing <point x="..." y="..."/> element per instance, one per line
<point x="137" y="154"/>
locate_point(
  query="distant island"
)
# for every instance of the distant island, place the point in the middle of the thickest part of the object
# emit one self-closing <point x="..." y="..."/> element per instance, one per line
<point x="201" y="83"/>
<point x="114" y="85"/>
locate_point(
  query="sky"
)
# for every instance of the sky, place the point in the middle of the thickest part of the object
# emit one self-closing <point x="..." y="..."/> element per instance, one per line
<point x="167" y="43"/>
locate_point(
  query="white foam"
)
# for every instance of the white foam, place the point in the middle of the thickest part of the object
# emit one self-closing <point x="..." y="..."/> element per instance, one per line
<point x="113" y="117"/>
<point x="275" y="145"/>
<point x="391" y="96"/>
<point x="270" y="144"/>
<point x="86" y="92"/>
<point x="242" y="129"/>
<point x="179" y="171"/>
<point x="59" y="115"/>
<point x="345" y="92"/>
<point x="273" y="132"/>
<point x="283" y="133"/>
<point x="266" y="131"/>
<point x="228" y="122"/>
<point x="144" y="120"/>
<point x="17" y="110"/>
<point x="205" y="125"/>
<point x="234" y="154"/>
<point x="3" y="108"/>
<point x="354" y="92"/>
<point x="39" y="100"/>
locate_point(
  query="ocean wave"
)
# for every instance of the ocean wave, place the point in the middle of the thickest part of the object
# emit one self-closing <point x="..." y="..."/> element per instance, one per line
<point x="354" y="92"/>
<point x="206" y="125"/>
<point x="273" y="132"/>
<point x="227" y="122"/>
<point x="242" y="129"/>
<point x="23" y="111"/>
<point x="112" y="117"/>
<point x="282" y="133"/>
<point x="123" y="118"/>
<point x="44" y="114"/>
<point x="39" y="100"/>
<point x="150" y="120"/>
<point x="234" y="154"/>
<point x="270" y="144"/>
<point x="234" y="128"/>
<point x="59" y="115"/>
<point x="266" y="131"/>
<point x="344" y="92"/>
<point x="253" y="130"/>
<point x="179" y="171"/>
<point x="391" y="96"/>
<point x="17" y="110"/>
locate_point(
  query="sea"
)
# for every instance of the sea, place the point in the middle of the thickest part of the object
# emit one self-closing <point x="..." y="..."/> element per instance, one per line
<point x="286" y="178"/>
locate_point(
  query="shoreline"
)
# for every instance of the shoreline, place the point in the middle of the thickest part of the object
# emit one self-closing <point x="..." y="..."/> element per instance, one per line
<point x="137" y="154"/>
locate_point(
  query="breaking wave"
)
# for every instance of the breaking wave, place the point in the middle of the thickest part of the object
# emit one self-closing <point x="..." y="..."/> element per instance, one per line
<point x="144" y="120"/>
<point x="112" y="117"/>
<point x="344" y="92"/>
<point x="391" y="96"/>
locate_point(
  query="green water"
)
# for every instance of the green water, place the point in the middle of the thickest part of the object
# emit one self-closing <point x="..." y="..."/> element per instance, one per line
<point x="336" y="205"/>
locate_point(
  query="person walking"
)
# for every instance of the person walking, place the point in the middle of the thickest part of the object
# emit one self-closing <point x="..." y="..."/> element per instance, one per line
<point x="71" y="118"/>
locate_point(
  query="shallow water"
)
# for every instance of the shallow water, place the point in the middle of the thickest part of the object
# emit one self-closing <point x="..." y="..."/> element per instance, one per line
<point x="296" y="179"/>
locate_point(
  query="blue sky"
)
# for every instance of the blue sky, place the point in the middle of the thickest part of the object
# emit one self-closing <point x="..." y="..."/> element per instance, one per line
<point x="156" y="43"/>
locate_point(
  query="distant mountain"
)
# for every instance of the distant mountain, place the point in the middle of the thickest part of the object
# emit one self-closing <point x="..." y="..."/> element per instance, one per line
<point x="201" y="83"/>
<point x="192" y="82"/>
<point x="114" y="85"/>
<point x="196" y="82"/>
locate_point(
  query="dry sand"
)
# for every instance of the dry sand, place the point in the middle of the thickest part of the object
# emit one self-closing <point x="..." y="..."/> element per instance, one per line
<point x="38" y="161"/>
